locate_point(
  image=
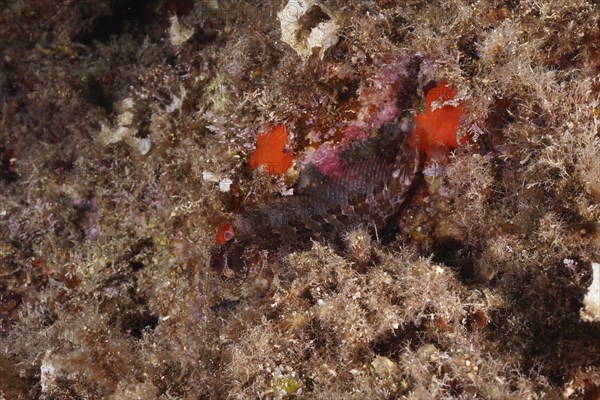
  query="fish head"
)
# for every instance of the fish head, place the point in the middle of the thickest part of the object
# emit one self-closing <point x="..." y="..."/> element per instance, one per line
<point x="228" y="262"/>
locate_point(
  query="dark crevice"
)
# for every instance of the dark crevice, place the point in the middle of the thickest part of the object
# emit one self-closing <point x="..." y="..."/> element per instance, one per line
<point x="125" y="16"/>
<point x="135" y="323"/>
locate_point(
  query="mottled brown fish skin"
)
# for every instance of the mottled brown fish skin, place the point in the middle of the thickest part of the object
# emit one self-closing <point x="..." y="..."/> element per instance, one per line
<point x="369" y="192"/>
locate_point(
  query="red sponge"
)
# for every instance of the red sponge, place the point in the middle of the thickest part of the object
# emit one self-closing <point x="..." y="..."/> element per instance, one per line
<point x="271" y="151"/>
<point x="437" y="128"/>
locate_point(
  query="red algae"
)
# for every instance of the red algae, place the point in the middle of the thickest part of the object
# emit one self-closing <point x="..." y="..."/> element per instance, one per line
<point x="437" y="127"/>
<point x="271" y="152"/>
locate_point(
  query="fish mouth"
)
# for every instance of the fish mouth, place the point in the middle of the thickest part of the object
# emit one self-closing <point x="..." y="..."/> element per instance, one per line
<point x="229" y="262"/>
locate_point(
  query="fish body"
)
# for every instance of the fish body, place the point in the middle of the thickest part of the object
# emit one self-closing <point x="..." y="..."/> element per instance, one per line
<point x="364" y="180"/>
<point x="371" y="191"/>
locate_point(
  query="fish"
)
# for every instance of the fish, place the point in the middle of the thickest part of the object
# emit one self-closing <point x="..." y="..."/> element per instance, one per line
<point x="375" y="183"/>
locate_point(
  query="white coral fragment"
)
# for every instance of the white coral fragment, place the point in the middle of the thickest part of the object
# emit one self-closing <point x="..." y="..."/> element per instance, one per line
<point x="179" y="34"/>
<point x="177" y="102"/>
<point x="296" y="29"/>
<point x="48" y="374"/>
<point x="591" y="302"/>
<point x="124" y="132"/>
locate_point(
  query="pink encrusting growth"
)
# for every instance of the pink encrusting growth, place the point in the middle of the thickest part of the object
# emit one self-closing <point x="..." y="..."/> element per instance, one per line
<point x="378" y="106"/>
<point x="380" y="98"/>
<point x="326" y="157"/>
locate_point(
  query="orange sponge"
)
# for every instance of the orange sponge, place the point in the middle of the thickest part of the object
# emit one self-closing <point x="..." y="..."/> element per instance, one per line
<point x="437" y="128"/>
<point x="271" y="151"/>
<point x="224" y="234"/>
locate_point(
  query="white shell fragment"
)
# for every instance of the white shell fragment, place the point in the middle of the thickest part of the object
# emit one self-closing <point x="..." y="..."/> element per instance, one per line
<point x="177" y="102"/>
<point x="209" y="176"/>
<point x="591" y="302"/>
<point x="225" y="185"/>
<point x="142" y="145"/>
<point x="303" y="39"/>
<point x="323" y="36"/>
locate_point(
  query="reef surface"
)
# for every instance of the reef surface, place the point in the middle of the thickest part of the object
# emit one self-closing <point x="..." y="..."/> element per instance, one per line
<point x="299" y="199"/>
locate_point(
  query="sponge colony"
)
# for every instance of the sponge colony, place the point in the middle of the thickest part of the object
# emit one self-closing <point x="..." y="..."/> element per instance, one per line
<point x="437" y="127"/>
<point x="271" y="151"/>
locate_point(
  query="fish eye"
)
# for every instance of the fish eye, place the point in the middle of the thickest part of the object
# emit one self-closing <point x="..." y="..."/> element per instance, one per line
<point x="216" y="263"/>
